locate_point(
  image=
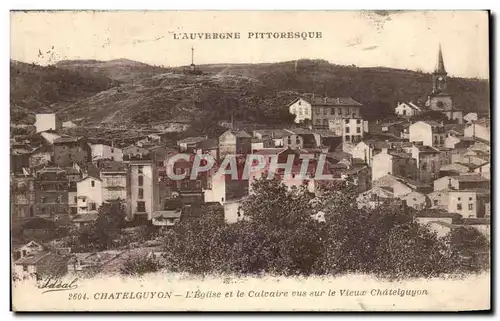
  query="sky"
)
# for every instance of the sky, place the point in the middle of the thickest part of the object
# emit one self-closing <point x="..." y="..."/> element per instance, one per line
<point x="405" y="40"/>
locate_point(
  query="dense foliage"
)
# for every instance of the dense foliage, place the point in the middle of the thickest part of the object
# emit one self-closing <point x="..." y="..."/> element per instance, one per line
<point x="283" y="235"/>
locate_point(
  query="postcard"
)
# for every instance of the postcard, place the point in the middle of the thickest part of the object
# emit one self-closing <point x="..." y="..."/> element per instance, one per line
<point x="250" y="161"/>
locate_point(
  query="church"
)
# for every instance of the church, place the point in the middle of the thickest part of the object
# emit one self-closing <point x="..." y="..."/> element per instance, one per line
<point x="440" y="99"/>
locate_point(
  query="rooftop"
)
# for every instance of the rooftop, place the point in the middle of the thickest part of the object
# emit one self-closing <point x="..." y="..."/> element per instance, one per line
<point x="334" y="101"/>
<point x="192" y="140"/>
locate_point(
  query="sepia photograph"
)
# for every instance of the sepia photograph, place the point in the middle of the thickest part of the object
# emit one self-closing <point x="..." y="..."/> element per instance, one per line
<point x="250" y="161"/>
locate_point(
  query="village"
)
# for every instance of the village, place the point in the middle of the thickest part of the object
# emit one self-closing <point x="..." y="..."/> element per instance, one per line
<point x="432" y="156"/>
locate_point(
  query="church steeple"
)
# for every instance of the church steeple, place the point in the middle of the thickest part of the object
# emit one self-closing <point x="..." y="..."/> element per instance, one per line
<point x="440" y="65"/>
<point x="439" y="75"/>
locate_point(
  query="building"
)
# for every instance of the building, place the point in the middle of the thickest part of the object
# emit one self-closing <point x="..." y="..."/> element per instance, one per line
<point x="22" y="200"/>
<point x="407" y="109"/>
<point x="439" y="199"/>
<point x="103" y="151"/>
<point x="299" y="138"/>
<point x="456" y="142"/>
<point x="276" y="135"/>
<point x="416" y="200"/>
<point x="208" y="186"/>
<point x="69" y="150"/>
<point x="483" y="169"/>
<point x="350" y="129"/>
<point x="375" y="196"/>
<point x="89" y="190"/>
<point x="454" y="169"/>
<point x="42" y="155"/>
<point x="389" y="162"/>
<point x="301" y="108"/>
<point x="429" y="161"/>
<point x="479" y="129"/>
<point x="29" y="249"/>
<point x="470" y="117"/>
<point x="461" y="182"/>
<point x="326" y="109"/>
<point x="46" y="122"/>
<point x="73" y="176"/>
<point x="470" y="203"/>
<point x="114" y="181"/>
<point x="142" y="192"/>
<point x="440" y="100"/>
<point x="235" y="142"/>
<point x="261" y="143"/>
<point x="429" y="132"/>
<point x="51" y="194"/>
<point x="190" y="143"/>
<point x="167" y="217"/>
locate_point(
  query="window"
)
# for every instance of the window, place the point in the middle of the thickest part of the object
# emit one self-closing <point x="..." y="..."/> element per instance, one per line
<point x="325" y="122"/>
<point x="25" y="268"/>
<point x="141" y="206"/>
<point x="290" y="140"/>
<point x="159" y="164"/>
<point x="404" y="112"/>
<point x="470" y="198"/>
<point x="347" y="138"/>
<point x="459" y="198"/>
<point x="140" y="181"/>
<point x="347" y="129"/>
<point x="471" y="207"/>
<point x="459" y="207"/>
<point x="141" y="193"/>
<point x="140" y="168"/>
<point x="300" y="103"/>
<point x="325" y="111"/>
<point x="73" y="210"/>
<point x="198" y="183"/>
<point x="318" y="121"/>
<point x="317" y="111"/>
<point x="358" y="130"/>
<point x="92" y="183"/>
<point x="358" y="121"/>
<point x="346" y="121"/>
<point x="435" y="202"/>
<point x="93" y="206"/>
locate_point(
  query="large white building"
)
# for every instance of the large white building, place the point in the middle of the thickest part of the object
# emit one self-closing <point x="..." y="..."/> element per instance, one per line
<point x="301" y="108"/>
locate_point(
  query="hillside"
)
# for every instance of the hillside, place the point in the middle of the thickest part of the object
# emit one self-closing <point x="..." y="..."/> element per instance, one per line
<point x="123" y="70"/>
<point x="255" y="92"/>
<point x="36" y="88"/>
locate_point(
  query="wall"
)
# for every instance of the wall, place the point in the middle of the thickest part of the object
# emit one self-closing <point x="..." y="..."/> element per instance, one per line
<point x="479" y="132"/>
<point x="421" y="132"/>
<point x="302" y="110"/>
<point x="148" y="188"/>
<point x="465" y="199"/>
<point x="92" y="194"/>
<point x="382" y="165"/>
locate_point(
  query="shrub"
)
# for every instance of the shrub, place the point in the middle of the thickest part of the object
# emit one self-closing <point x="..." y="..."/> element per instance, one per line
<point x="140" y="265"/>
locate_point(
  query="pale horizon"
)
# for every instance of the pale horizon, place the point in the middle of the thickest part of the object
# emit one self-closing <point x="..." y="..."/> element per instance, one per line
<point x="400" y="40"/>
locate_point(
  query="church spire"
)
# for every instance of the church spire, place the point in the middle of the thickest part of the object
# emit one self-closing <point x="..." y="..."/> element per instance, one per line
<point x="440" y="65"/>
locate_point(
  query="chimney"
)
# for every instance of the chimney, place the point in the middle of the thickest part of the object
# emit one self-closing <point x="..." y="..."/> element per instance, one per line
<point x="325" y="99"/>
<point x="384" y="150"/>
<point x="449" y="183"/>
